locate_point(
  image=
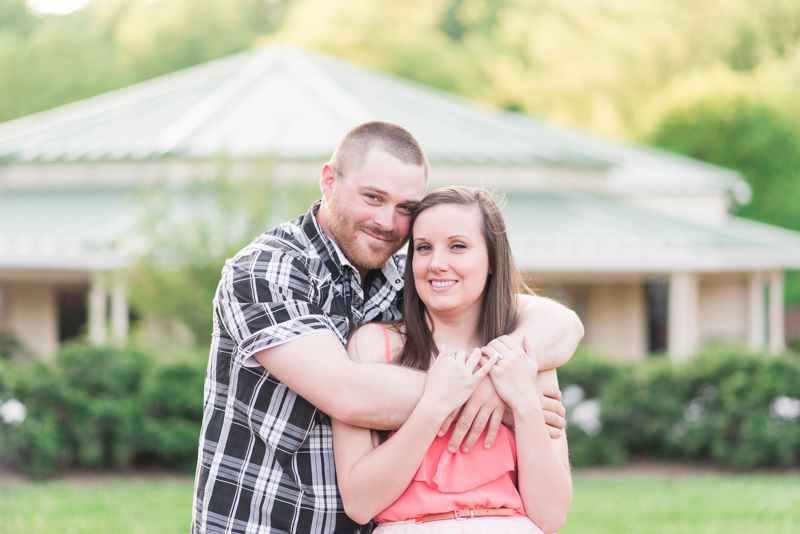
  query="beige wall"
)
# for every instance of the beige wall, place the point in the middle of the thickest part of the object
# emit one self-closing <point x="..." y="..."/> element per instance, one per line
<point x="614" y="315"/>
<point x="723" y="304"/>
<point x="29" y="313"/>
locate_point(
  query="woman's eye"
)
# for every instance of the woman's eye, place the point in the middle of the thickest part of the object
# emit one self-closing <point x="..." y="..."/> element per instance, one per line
<point x="459" y="246"/>
<point x="422" y="248"/>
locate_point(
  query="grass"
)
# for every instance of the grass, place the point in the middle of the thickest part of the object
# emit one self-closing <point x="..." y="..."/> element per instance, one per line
<point x="696" y="504"/>
<point x="607" y="503"/>
<point x="119" y="506"/>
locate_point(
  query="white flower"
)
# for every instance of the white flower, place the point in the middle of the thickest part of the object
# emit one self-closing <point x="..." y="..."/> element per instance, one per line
<point x="587" y="416"/>
<point x="572" y="395"/>
<point x="784" y="408"/>
<point x="694" y="409"/>
<point x="13" y="412"/>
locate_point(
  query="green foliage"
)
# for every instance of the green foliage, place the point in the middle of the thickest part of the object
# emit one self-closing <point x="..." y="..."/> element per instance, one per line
<point x="102" y="408"/>
<point x="746" y="125"/>
<point x="717" y="406"/>
<point x="173" y="412"/>
<point x="53" y="60"/>
<point x="190" y="231"/>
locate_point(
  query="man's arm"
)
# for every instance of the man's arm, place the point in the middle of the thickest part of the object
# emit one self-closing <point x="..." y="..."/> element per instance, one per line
<point x="554" y="330"/>
<point x="370" y="395"/>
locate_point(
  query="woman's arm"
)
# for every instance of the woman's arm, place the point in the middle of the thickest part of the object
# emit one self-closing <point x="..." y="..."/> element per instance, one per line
<point x="371" y="478"/>
<point x="545" y="483"/>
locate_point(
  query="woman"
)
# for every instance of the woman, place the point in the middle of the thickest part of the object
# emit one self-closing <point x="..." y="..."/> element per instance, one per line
<point x="461" y="289"/>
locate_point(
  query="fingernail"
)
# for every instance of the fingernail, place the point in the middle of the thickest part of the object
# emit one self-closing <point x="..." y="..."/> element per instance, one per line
<point x="465" y="449"/>
<point x="451" y="449"/>
<point x="487" y="445"/>
<point x="440" y="434"/>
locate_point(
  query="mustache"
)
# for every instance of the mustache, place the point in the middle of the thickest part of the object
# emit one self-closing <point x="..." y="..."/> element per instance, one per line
<point x="392" y="237"/>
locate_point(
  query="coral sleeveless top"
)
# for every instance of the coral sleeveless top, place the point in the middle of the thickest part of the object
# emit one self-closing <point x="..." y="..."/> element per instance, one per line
<point x="452" y="481"/>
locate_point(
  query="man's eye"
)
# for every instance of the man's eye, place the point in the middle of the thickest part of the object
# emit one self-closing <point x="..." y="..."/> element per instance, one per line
<point x="407" y="209"/>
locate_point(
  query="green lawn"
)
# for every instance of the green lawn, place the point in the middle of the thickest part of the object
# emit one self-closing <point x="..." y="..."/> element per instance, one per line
<point x="698" y="504"/>
<point x="618" y="504"/>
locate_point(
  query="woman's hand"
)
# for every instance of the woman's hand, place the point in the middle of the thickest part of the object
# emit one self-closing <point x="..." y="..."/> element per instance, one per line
<point x="514" y="373"/>
<point x="452" y="378"/>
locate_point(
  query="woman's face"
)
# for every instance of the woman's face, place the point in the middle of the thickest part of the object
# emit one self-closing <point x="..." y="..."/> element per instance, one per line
<point x="451" y="261"/>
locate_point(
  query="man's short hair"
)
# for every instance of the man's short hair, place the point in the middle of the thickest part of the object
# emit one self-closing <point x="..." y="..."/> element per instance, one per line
<point x="386" y="136"/>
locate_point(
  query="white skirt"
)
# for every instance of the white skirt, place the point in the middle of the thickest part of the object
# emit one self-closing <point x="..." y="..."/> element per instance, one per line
<point x="476" y="525"/>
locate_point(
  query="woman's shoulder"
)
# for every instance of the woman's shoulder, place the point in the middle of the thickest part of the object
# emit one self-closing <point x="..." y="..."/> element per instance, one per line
<point x="367" y="344"/>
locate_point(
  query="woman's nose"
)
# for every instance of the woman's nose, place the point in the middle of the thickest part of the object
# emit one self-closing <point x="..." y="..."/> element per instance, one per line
<point x="438" y="263"/>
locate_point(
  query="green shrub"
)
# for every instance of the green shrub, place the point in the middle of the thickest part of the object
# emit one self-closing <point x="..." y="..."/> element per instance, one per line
<point x="103" y="408"/>
<point x="735" y="389"/>
<point x="172" y="399"/>
<point x="717" y="406"/>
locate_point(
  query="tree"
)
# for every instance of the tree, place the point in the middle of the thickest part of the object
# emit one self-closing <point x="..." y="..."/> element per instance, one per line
<point x="746" y="123"/>
<point x="189" y="232"/>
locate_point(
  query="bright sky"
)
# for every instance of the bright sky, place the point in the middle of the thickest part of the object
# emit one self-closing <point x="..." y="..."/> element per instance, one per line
<point x="61" y="7"/>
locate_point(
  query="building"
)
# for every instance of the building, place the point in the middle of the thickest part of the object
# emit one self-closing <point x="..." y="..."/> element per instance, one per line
<point x="638" y="241"/>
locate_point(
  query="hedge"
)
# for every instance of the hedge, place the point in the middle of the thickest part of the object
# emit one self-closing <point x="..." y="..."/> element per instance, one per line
<point x="729" y="404"/>
<point x="127" y="407"/>
<point x="103" y="408"/>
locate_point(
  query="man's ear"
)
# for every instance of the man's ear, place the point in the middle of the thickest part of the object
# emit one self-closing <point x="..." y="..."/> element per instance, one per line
<point x="327" y="180"/>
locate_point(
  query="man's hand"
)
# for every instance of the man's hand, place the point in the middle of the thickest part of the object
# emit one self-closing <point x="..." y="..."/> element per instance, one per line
<point x="484" y="407"/>
<point x="550" y="397"/>
<point x="549" y="394"/>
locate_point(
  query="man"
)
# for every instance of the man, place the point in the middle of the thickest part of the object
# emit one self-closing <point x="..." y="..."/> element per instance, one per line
<point x="278" y="369"/>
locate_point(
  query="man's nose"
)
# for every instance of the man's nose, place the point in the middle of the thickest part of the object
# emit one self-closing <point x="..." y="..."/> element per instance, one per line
<point x="384" y="218"/>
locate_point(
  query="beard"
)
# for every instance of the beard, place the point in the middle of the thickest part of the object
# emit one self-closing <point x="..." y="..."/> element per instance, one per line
<point x="345" y="232"/>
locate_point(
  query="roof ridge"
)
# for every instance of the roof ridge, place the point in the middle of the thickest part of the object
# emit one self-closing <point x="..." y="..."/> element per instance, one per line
<point x="208" y="106"/>
<point x="110" y="100"/>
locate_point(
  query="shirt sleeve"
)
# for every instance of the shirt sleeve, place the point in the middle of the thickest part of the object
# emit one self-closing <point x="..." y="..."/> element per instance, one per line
<point x="267" y="298"/>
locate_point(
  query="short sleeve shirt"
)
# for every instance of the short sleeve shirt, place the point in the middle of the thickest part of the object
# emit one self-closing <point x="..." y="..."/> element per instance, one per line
<point x="266" y="454"/>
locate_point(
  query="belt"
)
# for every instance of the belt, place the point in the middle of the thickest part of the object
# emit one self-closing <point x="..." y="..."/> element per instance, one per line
<point x="457" y="514"/>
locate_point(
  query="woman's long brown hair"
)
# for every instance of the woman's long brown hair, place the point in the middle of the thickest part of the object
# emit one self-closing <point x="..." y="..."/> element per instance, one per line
<point x="500" y="312"/>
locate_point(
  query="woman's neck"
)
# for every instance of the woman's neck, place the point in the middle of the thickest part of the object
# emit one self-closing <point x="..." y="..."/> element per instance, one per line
<point x="457" y="331"/>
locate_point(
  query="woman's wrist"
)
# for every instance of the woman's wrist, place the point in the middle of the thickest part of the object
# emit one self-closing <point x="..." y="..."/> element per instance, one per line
<point x="526" y="405"/>
<point x="433" y="409"/>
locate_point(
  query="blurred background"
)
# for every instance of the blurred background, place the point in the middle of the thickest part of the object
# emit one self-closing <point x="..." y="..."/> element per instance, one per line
<point x="648" y="152"/>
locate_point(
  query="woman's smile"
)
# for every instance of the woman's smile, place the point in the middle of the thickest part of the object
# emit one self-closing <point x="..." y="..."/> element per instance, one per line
<point x="451" y="261"/>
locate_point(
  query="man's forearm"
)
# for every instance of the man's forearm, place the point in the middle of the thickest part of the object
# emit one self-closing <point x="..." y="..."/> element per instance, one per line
<point x="318" y="369"/>
<point x="386" y="396"/>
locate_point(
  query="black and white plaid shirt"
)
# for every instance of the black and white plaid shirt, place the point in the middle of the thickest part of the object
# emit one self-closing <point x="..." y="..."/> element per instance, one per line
<point x="266" y="454"/>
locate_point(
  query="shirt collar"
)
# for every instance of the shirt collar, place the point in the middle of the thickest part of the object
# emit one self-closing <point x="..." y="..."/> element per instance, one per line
<point x="333" y="256"/>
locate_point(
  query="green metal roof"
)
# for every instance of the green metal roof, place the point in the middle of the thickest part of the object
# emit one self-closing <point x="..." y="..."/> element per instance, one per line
<point x="69" y="229"/>
<point x="549" y="232"/>
<point x="295" y="104"/>
<point x="562" y="232"/>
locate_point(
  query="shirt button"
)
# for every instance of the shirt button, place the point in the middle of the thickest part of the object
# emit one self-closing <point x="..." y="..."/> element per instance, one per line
<point x="397" y="281"/>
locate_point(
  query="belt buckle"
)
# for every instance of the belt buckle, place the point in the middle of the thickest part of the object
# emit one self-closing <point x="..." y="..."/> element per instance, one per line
<point x="457" y="516"/>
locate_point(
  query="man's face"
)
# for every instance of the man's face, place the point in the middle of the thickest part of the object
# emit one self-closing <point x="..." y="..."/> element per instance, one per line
<point x="368" y="211"/>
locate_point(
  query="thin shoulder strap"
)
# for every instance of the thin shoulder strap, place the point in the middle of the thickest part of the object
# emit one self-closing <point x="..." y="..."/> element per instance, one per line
<point x="386" y="337"/>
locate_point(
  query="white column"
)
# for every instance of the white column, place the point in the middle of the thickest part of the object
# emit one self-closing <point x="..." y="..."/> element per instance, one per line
<point x="776" y="319"/>
<point x="98" y="310"/>
<point x="756" y="335"/>
<point x="119" y="313"/>
<point x="682" y="337"/>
